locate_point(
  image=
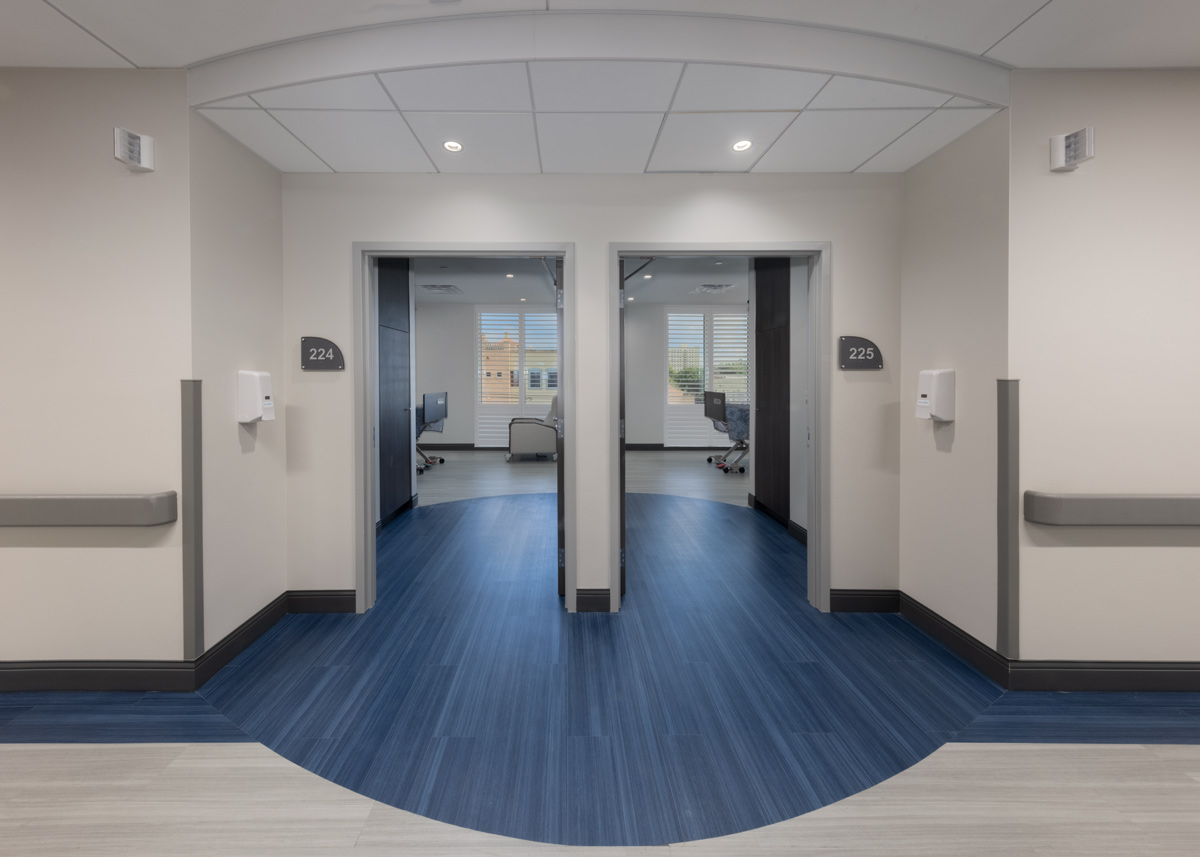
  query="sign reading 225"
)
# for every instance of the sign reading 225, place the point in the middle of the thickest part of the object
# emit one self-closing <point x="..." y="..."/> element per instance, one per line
<point x="855" y="352"/>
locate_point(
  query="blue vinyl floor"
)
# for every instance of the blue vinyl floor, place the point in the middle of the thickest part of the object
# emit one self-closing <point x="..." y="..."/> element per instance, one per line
<point x="717" y="701"/>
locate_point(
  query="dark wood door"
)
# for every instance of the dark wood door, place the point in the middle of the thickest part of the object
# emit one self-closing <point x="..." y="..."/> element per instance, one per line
<point x="621" y="417"/>
<point x="559" y="444"/>
<point x="395" y="393"/>
<point x="772" y="387"/>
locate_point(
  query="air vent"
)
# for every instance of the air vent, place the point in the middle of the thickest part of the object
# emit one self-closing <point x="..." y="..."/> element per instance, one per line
<point x="441" y="288"/>
<point x="1068" y="151"/>
<point x="135" y="151"/>
<point x="712" y="289"/>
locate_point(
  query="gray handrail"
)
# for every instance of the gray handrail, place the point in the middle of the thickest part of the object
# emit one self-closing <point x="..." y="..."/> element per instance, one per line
<point x="1112" y="510"/>
<point x="88" y="510"/>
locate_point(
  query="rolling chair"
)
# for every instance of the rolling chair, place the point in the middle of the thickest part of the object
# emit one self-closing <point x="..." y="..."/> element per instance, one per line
<point x="424" y="460"/>
<point x="530" y="436"/>
<point x="734" y="420"/>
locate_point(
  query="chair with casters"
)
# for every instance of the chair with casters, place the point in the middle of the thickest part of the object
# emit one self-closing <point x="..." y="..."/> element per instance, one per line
<point x="734" y="420"/>
<point x="531" y="436"/>
<point x="424" y="459"/>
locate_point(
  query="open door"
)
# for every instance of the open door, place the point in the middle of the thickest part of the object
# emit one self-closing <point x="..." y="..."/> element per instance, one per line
<point x="621" y="415"/>
<point x="395" y="443"/>
<point x="560" y="443"/>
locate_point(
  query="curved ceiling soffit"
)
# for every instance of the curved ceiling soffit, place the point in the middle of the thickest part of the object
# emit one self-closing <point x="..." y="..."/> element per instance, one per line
<point x="675" y="38"/>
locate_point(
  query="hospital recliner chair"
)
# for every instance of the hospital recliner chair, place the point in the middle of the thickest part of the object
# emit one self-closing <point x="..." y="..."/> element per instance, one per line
<point x="530" y="436"/>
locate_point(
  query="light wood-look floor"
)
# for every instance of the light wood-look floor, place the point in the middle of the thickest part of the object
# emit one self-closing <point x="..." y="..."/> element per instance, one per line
<point x="468" y="474"/>
<point x="981" y="800"/>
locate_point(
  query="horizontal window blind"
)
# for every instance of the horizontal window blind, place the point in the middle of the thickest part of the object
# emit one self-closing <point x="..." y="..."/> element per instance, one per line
<point x="517" y="370"/>
<point x="706" y="350"/>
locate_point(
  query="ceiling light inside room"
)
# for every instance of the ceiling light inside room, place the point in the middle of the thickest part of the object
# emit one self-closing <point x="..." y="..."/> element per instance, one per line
<point x="647" y="276"/>
<point x="452" y="146"/>
<point x="510" y="276"/>
<point x="742" y="145"/>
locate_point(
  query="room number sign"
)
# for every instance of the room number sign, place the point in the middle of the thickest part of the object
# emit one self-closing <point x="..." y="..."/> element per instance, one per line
<point x="855" y="352"/>
<point x="320" y="355"/>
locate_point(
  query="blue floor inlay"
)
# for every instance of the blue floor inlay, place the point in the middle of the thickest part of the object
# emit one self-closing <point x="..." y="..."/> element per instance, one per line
<point x="99" y="718"/>
<point x="717" y="701"/>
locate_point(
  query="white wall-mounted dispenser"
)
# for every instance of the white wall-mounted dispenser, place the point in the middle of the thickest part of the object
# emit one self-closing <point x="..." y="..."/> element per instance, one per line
<point x="254" y="397"/>
<point x="935" y="395"/>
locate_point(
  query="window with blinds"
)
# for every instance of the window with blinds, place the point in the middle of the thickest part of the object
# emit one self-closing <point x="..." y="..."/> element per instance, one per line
<point x="707" y="349"/>
<point x="517" y="369"/>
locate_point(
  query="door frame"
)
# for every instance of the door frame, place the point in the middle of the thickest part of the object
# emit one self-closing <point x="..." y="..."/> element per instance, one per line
<point x="820" y="339"/>
<point x="362" y="368"/>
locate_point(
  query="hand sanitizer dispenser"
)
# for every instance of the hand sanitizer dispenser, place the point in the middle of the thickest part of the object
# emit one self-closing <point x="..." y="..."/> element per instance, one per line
<point x="935" y="395"/>
<point x="254" y="397"/>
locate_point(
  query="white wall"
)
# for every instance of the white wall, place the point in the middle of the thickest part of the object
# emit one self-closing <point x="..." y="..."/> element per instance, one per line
<point x="96" y="328"/>
<point x="798" y="394"/>
<point x="237" y="323"/>
<point x="954" y="316"/>
<point x="1104" y="298"/>
<point x="645" y="372"/>
<point x="324" y="214"/>
<point x="446" y="350"/>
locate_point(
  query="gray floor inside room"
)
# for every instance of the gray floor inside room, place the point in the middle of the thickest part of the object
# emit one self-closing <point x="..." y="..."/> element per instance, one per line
<point x="484" y="473"/>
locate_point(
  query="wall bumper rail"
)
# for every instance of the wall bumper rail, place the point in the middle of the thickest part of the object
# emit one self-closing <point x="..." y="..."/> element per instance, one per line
<point x="88" y="510"/>
<point x="1113" y="510"/>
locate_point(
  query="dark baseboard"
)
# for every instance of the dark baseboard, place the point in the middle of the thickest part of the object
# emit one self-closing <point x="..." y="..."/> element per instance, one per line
<point x="643" y="447"/>
<point x="1183" y="676"/>
<point x="320" y="601"/>
<point x="451" y="446"/>
<point x="592" y="601"/>
<point x="864" y="600"/>
<point x="691" y="448"/>
<point x="391" y="516"/>
<point x="983" y="657"/>
<point x="1120" y="676"/>
<point x="170" y="676"/>
<point x="754" y="503"/>
<point x="799" y="533"/>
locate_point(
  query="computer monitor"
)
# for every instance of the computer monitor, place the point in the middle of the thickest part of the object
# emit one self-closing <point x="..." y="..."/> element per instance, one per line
<point x="714" y="406"/>
<point x="434" y="406"/>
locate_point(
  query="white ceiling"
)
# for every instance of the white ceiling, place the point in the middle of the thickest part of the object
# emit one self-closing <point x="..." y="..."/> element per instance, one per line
<point x="610" y="115"/>
<point x="677" y="280"/>
<point x="485" y="280"/>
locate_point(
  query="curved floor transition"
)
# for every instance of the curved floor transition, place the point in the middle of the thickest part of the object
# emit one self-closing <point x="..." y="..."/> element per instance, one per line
<point x="717" y="701"/>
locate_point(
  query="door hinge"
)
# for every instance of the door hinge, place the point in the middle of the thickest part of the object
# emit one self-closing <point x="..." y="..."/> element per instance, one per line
<point x="559" y="422"/>
<point x="621" y="299"/>
<point x="559" y="298"/>
<point x="562" y="558"/>
<point x="622" y="557"/>
<point x="621" y="428"/>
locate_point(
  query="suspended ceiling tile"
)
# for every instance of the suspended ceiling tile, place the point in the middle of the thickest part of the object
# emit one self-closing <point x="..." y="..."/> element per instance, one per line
<point x="836" y="141"/>
<point x="495" y="87"/>
<point x="966" y="25"/>
<point x="708" y="86"/>
<point x="240" y="101"/>
<point x="344" y="93"/>
<point x="354" y="141"/>
<point x="492" y="142"/>
<point x="257" y="131"/>
<point x="177" y="33"/>
<point x="1106" y="34"/>
<point x="854" y="92"/>
<point x="34" y="34"/>
<point x="703" y="142"/>
<point x="585" y="86"/>
<point x="596" y="142"/>
<point x="921" y="141"/>
<point x="959" y="101"/>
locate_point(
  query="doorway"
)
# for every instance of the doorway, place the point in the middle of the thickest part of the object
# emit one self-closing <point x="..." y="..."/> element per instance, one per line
<point x="803" y="399"/>
<point x="537" y="332"/>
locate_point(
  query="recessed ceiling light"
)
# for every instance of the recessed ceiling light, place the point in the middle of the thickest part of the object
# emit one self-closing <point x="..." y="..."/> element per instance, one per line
<point x="647" y="276"/>
<point x="510" y="276"/>
<point x="718" y="263"/>
<point x="742" y="145"/>
<point x="522" y="298"/>
<point x="628" y="299"/>
<point x="452" y="146"/>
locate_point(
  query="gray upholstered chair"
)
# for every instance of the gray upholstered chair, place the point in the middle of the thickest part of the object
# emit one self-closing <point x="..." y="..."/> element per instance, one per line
<point x="530" y="436"/>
